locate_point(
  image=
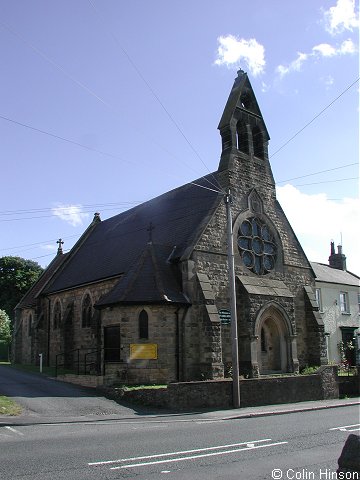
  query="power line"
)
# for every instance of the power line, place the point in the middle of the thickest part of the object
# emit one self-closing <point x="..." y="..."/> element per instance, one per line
<point x="137" y="230"/>
<point x="58" y="137"/>
<point x="91" y="92"/>
<point x="318" y="173"/>
<point x="64" y="207"/>
<point x="314" y="118"/>
<point x="137" y="70"/>
<point x="327" y="181"/>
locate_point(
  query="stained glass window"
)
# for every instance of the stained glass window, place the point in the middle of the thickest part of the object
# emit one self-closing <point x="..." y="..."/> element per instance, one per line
<point x="256" y="246"/>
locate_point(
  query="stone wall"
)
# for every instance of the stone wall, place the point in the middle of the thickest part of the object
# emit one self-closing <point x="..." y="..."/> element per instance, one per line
<point x="253" y="392"/>
<point x="163" y="332"/>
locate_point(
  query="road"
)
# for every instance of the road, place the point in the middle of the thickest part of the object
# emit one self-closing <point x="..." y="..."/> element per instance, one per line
<point x="306" y="444"/>
<point x="303" y="445"/>
<point x="45" y="397"/>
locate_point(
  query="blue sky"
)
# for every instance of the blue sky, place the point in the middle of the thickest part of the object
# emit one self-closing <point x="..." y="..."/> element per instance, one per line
<point x="105" y="104"/>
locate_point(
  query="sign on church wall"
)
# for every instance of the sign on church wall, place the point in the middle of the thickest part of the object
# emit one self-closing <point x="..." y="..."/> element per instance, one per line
<point x="225" y="316"/>
<point x="143" y="351"/>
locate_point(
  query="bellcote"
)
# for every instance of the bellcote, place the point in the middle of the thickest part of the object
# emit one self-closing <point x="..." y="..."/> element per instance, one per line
<point x="242" y="128"/>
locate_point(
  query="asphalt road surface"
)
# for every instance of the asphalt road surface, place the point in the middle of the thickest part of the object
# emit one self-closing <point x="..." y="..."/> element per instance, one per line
<point x="295" y="446"/>
<point x="304" y="445"/>
<point x="45" y="397"/>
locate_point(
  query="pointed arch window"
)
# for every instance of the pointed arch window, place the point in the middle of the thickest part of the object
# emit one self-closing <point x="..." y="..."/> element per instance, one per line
<point x="258" y="143"/>
<point x="143" y="325"/>
<point x="242" y="137"/>
<point x="30" y="325"/>
<point x="57" y="315"/>
<point x="86" y="312"/>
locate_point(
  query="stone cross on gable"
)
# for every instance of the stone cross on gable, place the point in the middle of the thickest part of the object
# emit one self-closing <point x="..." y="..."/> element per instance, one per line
<point x="150" y="230"/>
<point x="60" y="243"/>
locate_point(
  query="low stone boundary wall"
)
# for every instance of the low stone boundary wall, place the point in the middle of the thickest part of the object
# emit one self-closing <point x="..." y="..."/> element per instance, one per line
<point x="83" y="380"/>
<point x="253" y="392"/>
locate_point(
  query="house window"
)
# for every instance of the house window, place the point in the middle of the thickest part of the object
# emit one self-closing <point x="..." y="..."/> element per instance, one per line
<point x="112" y="344"/>
<point x="344" y="302"/>
<point x="318" y="298"/>
<point x="29" y="325"/>
<point x="86" y="312"/>
<point x="143" y="325"/>
<point x="57" y="315"/>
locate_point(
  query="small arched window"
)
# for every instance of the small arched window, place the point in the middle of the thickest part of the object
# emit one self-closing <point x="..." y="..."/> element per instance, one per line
<point x="57" y="315"/>
<point x="242" y="137"/>
<point x="258" y="143"/>
<point x="143" y="325"/>
<point x="86" y="312"/>
<point x="30" y="325"/>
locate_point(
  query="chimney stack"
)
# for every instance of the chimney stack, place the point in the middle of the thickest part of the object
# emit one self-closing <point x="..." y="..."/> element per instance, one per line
<point x="337" y="260"/>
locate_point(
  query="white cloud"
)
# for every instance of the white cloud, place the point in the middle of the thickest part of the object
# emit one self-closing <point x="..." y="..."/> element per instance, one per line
<point x="318" y="51"/>
<point x="341" y="17"/>
<point x="71" y="214"/>
<point x="241" y="53"/>
<point x="347" y="46"/>
<point x="317" y="220"/>
<point x="324" y="49"/>
<point x="294" y="66"/>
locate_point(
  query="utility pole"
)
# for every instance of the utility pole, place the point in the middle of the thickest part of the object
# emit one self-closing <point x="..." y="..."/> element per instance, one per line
<point x="232" y="291"/>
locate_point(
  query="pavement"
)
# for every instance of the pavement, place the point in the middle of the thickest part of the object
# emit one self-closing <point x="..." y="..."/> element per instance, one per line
<point x="131" y="414"/>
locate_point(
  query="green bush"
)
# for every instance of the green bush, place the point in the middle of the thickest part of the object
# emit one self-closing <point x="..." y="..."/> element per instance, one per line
<point x="309" y="370"/>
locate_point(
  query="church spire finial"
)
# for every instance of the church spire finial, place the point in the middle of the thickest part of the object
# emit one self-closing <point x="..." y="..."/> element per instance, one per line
<point x="60" y="242"/>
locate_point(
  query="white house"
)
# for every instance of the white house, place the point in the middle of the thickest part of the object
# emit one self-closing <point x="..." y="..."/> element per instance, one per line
<point x="338" y="297"/>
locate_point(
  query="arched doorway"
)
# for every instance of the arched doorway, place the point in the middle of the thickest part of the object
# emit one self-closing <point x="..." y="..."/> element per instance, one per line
<point x="273" y="342"/>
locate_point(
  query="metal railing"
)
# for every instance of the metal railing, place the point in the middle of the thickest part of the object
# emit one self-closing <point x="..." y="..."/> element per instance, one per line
<point x="64" y="355"/>
<point x="89" y="363"/>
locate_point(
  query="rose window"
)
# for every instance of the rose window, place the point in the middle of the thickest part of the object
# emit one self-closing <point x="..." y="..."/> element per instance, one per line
<point x="257" y="246"/>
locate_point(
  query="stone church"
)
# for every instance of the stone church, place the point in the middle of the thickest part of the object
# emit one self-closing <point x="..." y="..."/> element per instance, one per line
<point x="143" y="297"/>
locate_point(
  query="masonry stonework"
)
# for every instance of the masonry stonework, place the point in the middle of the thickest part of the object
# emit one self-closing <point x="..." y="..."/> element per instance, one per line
<point x="162" y="268"/>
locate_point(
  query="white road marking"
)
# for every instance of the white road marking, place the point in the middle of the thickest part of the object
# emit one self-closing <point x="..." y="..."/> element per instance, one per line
<point x="15" y="431"/>
<point x="347" y="428"/>
<point x="159" y="455"/>
<point x="194" y="457"/>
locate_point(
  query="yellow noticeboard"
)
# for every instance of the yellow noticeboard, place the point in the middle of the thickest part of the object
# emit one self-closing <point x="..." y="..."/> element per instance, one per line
<point x="143" y="351"/>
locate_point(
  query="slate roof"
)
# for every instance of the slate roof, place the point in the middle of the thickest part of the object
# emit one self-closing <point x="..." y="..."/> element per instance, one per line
<point x="152" y="279"/>
<point x="325" y="273"/>
<point x="110" y="248"/>
<point x="30" y="297"/>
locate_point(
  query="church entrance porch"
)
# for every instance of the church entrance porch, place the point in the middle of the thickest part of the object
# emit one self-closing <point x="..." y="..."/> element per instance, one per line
<point x="273" y="347"/>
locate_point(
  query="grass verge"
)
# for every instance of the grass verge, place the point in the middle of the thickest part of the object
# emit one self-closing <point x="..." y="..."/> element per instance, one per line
<point x="8" y="407"/>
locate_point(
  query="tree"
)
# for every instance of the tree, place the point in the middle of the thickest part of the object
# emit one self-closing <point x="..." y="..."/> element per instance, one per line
<point x="5" y="332"/>
<point x="17" y="275"/>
